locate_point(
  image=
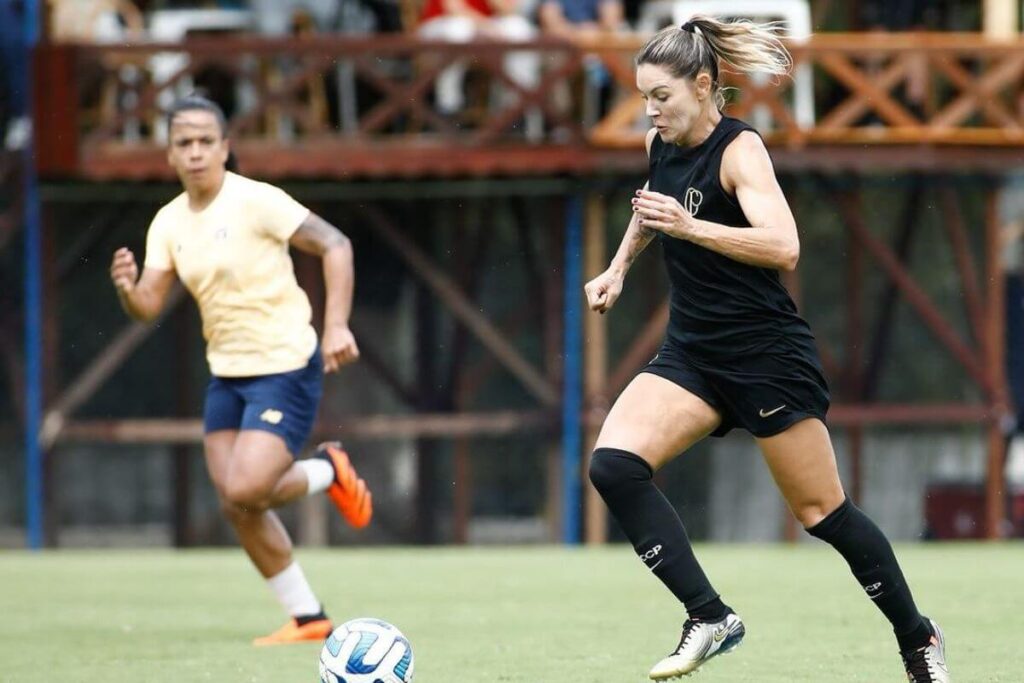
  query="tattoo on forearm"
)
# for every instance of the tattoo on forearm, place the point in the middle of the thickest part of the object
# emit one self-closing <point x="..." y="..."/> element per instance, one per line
<point x="639" y="240"/>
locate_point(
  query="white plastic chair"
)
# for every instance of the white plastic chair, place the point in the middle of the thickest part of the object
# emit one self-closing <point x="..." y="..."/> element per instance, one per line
<point x="794" y="14"/>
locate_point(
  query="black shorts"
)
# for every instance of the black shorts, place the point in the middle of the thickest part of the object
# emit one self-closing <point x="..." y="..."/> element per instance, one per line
<point x="764" y="394"/>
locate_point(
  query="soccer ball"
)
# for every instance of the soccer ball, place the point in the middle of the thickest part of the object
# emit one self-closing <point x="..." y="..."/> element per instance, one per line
<point x="366" y="651"/>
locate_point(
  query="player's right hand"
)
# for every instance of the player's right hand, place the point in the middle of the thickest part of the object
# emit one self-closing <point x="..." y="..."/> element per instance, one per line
<point x="123" y="270"/>
<point x="603" y="291"/>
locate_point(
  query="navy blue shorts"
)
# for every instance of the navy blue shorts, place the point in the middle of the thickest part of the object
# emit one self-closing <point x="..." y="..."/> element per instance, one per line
<point x="764" y="394"/>
<point x="284" y="403"/>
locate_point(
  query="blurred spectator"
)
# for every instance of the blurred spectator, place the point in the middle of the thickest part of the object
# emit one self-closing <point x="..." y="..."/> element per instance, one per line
<point x="462" y="21"/>
<point x="371" y="16"/>
<point x="152" y="5"/>
<point x="900" y="15"/>
<point x="581" y="19"/>
<point x="10" y="42"/>
<point x="276" y="17"/>
<point x="94" y="21"/>
<point x="905" y="15"/>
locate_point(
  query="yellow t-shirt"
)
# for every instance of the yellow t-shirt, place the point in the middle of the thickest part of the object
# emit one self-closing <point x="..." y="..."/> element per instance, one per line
<point x="233" y="258"/>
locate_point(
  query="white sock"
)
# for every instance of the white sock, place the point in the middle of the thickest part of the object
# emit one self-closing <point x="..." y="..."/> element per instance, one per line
<point x="319" y="474"/>
<point x="293" y="591"/>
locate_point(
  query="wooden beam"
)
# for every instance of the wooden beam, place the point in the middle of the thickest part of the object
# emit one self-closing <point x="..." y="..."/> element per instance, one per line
<point x="844" y="414"/>
<point x="953" y="221"/>
<point x="995" y="361"/>
<point x="468" y="264"/>
<point x="99" y="371"/>
<point x="553" y="277"/>
<point x="14" y="364"/>
<point x="854" y="375"/>
<point x="427" y="340"/>
<point x="51" y="307"/>
<point x="595" y="360"/>
<point x="401" y="158"/>
<point x="980" y="93"/>
<point x="892" y="112"/>
<point x="391" y="156"/>
<point x="11" y="215"/>
<point x="364" y="427"/>
<point x="399" y="97"/>
<point x="902" y="247"/>
<point x="179" y="376"/>
<point x="856" y="105"/>
<point x="644" y="345"/>
<point x="536" y="97"/>
<point x="384" y="370"/>
<point x="918" y="299"/>
<point x="463" y="310"/>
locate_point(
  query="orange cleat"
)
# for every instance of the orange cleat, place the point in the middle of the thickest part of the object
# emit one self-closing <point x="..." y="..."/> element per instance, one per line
<point x="292" y="632"/>
<point x="349" y="492"/>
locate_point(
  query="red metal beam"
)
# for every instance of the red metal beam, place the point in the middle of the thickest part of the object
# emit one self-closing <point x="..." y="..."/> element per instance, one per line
<point x="641" y="350"/>
<point x="463" y="310"/>
<point x="953" y="221"/>
<point x="995" y="361"/>
<point x="393" y="157"/>
<point x="408" y="157"/>
<point x="853" y="383"/>
<point x="843" y="414"/>
<point x="902" y="246"/>
<point x="917" y="297"/>
<point x="99" y="371"/>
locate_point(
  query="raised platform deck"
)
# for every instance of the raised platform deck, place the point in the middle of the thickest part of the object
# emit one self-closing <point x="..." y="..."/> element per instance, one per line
<point x="362" y="107"/>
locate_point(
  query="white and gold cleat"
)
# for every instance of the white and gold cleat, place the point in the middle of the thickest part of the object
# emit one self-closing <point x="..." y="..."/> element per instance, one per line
<point x="701" y="640"/>
<point x="928" y="664"/>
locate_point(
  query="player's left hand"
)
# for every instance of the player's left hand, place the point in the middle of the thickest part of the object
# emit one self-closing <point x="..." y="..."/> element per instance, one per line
<point x="663" y="213"/>
<point x="338" y="347"/>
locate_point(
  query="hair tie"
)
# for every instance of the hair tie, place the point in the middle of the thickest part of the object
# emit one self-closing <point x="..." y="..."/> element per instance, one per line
<point x="688" y="27"/>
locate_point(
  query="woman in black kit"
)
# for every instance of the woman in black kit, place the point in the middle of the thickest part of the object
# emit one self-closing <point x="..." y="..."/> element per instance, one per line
<point x="736" y="354"/>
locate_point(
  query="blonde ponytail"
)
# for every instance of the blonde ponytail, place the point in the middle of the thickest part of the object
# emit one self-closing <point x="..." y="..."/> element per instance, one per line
<point x="707" y="44"/>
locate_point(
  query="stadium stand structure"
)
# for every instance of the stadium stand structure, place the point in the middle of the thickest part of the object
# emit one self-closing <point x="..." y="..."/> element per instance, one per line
<point x="972" y="123"/>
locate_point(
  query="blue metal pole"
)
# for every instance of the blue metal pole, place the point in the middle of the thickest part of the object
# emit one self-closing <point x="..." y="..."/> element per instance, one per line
<point x="33" y="297"/>
<point x="572" y="388"/>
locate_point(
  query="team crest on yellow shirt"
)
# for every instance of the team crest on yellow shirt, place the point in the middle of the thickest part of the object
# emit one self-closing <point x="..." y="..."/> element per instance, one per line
<point x="271" y="416"/>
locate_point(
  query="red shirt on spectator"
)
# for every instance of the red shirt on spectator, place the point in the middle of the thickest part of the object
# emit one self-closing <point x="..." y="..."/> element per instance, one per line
<point x="434" y="8"/>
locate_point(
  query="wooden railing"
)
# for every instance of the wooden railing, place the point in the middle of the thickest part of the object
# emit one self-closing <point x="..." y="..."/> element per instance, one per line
<point x="363" y="106"/>
<point x="963" y="90"/>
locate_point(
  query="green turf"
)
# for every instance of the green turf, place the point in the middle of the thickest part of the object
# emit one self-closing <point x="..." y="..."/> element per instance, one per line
<point x="486" y="615"/>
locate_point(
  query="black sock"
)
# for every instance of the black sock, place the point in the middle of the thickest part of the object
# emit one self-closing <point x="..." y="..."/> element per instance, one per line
<point x="651" y="524"/>
<point x="306" y="618"/>
<point x="869" y="554"/>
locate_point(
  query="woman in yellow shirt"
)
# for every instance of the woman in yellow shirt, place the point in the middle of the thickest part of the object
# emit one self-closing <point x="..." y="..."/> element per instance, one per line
<point x="226" y="237"/>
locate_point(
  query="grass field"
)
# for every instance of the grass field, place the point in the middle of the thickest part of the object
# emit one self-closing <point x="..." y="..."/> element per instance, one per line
<point x="534" y="615"/>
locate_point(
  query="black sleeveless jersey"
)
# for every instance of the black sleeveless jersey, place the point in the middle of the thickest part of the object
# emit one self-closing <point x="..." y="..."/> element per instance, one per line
<point x="719" y="306"/>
